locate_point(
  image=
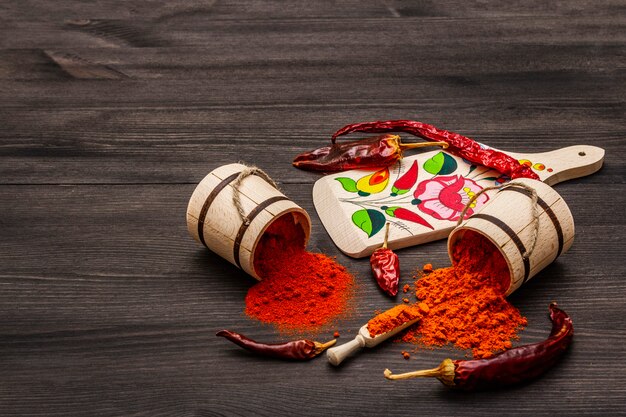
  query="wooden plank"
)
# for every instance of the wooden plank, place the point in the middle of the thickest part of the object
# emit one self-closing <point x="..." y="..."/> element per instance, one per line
<point x="511" y="9"/>
<point x="317" y="61"/>
<point x="546" y="30"/>
<point x="184" y="10"/>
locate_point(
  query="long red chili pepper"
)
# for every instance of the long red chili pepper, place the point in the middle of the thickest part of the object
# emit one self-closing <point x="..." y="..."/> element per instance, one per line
<point x="375" y="152"/>
<point x="298" y="349"/>
<point x="458" y="145"/>
<point x="513" y="366"/>
<point x="386" y="267"/>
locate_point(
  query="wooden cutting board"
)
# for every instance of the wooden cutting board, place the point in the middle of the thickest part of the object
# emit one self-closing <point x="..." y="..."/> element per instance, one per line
<point x="422" y="195"/>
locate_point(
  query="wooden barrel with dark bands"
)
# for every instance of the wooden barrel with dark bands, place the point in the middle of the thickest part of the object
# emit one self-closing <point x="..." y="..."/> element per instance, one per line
<point x="214" y="221"/>
<point x="507" y="221"/>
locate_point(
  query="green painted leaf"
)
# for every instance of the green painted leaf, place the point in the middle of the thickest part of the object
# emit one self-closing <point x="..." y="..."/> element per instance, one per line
<point x="449" y="165"/>
<point x="400" y="192"/>
<point x="488" y="179"/>
<point x="348" y="184"/>
<point x="433" y="164"/>
<point x="440" y="164"/>
<point x="370" y="221"/>
<point x="361" y="219"/>
<point x="363" y="193"/>
<point x="391" y="211"/>
<point x="378" y="221"/>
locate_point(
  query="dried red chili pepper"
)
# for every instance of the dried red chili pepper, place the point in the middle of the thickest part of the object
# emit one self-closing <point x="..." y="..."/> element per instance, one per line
<point x="374" y="152"/>
<point x="458" y="145"/>
<point x="386" y="267"/>
<point x="510" y="367"/>
<point x="298" y="349"/>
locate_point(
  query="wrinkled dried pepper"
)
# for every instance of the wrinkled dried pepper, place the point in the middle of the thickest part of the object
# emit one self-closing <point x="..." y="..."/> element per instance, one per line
<point x="386" y="267"/>
<point x="374" y="152"/>
<point x="513" y="366"/>
<point x="458" y="145"/>
<point x="298" y="349"/>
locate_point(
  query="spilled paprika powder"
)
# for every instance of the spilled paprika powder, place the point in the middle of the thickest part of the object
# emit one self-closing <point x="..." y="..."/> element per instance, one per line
<point x="467" y="305"/>
<point x="300" y="290"/>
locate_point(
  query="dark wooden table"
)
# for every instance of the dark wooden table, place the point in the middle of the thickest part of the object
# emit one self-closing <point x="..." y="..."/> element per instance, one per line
<point x="112" y="111"/>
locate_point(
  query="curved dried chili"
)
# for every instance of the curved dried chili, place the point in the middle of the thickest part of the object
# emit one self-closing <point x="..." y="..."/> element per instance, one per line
<point x="459" y="145"/>
<point x="513" y="366"/>
<point x="298" y="349"/>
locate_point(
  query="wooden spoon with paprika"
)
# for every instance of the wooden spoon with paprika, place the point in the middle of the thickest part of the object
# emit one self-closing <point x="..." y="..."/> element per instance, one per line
<point x="379" y="329"/>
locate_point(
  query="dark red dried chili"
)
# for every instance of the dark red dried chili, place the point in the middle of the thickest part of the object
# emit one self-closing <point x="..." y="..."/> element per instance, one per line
<point x="513" y="366"/>
<point x="386" y="267"/>
<point x="374" y="152"/>
<point x="458" y="145"/>
<point x="298" y="349"/>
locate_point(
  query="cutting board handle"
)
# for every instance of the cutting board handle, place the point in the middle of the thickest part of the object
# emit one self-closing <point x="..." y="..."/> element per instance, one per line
<point x="566" y="163"/>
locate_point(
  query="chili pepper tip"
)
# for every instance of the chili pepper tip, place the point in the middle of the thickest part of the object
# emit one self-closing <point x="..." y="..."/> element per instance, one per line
<point x="444" y="372"/>
<point x="320" y="347"/>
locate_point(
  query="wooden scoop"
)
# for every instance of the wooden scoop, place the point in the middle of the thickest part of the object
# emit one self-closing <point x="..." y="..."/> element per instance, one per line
<point x="363" y="339"/>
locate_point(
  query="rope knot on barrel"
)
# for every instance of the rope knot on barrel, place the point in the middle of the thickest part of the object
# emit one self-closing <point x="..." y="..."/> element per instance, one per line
<point x="534" y="198"/>
<point x="237" y="183"/>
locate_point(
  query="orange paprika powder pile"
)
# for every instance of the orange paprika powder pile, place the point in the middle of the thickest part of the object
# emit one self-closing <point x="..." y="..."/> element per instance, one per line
<point x="467" y="306"/>
<point x="299" y="290"/>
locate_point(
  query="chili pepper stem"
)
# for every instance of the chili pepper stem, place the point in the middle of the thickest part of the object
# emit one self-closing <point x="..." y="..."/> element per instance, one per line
<point x="444" y="372"/>
<point x="386" y="236"/>
<point x="415" y="145"/>
<point x="320" y="347"/>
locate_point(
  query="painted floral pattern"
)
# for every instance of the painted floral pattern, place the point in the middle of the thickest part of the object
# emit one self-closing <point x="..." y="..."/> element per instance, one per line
<point x="413" y="195"/>
<point x="444" y="198"/>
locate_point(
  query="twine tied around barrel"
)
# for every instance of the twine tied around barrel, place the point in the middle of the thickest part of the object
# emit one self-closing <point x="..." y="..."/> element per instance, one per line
<point x="237" y="183"/>
<point x="535" y="209"/>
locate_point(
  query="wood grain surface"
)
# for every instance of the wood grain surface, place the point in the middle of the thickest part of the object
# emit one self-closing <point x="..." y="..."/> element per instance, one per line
<point x="112" y="111"/>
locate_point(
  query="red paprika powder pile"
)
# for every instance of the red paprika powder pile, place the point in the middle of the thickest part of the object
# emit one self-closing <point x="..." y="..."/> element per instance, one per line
<point x="300" y="290"/>
<point x="467" y="307"/>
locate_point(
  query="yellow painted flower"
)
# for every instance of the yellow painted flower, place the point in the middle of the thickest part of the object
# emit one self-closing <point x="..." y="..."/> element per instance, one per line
<point x="373" y="183"/>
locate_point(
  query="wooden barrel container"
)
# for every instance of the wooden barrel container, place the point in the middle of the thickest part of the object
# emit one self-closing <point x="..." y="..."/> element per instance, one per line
<point x="507" y="221"/>
<point x="214" y="220"/>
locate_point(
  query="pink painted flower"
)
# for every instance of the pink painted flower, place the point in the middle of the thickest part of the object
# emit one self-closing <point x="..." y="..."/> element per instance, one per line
<point x="445" y="197"/>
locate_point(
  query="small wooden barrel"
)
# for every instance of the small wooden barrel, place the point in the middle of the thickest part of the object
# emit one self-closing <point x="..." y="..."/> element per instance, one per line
<point x="507" y="221"/>
<point x="214" y="221"/>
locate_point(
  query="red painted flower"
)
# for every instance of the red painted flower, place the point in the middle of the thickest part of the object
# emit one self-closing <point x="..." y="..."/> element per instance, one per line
<point x="445" y="197"/>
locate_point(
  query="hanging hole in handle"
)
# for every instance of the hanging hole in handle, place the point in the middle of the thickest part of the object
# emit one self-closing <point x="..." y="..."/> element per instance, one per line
<point x="581" y="153"/>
